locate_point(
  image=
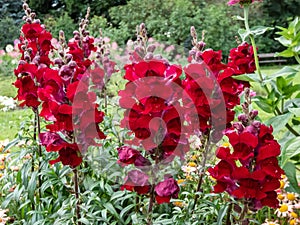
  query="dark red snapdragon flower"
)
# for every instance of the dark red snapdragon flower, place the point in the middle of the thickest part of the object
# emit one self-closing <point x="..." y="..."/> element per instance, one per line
<point x="137" y="181"/>
<point x="249" y="169"/>
<point x="166" y="190"/>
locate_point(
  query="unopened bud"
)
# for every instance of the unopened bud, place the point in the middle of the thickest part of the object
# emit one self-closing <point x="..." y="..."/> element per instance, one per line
<point x="158" y="57"/>
<point x="149" y="56"/>
<point x="28" y="11"/>
<point x="151" y="48"/>
<point x="201" y="45"/>
<point x="75" y="32"/>
<point x="28" y="20"/>
<point x="58" y="61"/>
<point x="253" y="114"/>
<point x="25" y="6"/>
<point x="192" y="52"/>
<point x="142" y="26"/>
<point x="256" y="124"/>
<point x="68" y="57"/>
<point x="72" y="64"/>
<point x="242" y="118"/>
<point x="32" y="15"/>
<point x="37" y="21"/>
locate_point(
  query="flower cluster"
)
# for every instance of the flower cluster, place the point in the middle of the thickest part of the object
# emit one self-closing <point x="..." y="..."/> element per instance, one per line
<point x="163" y="108"/>
<point x="289" y="203"/>
<point x="249" y="169"/>
<point x="60" y="86"/>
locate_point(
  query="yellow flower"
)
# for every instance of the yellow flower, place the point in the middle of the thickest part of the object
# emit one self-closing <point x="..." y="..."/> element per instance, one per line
<point x="2" y="166"/>
<point x="192" y="164"/>
<point x="291" y="196"/>
<point x="294" y="215"/>
<point x="194" y="157"/>
<point x="280" y="196"/>
<point x="178" y="203"/>
<point x="226" y="144"/>
<point x="180" y="181"/>
<point x="1" y="175"/>
<point x="283" y="208"/>
<point x="188" y="177"/>
<point x="292" y="222"/>
<point x="282" y="184"/>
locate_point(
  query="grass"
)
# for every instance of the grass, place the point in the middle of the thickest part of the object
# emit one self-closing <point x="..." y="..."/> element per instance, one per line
<point x="10" y="122"/>
<point x="6" y="87"/>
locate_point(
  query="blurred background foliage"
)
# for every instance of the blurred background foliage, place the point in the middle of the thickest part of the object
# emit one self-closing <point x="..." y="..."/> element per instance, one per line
<point x="166" y="20"/>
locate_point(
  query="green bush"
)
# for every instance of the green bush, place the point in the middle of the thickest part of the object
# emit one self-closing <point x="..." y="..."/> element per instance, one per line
<point x="9" y="31"/>
<point x="64" y="22"/>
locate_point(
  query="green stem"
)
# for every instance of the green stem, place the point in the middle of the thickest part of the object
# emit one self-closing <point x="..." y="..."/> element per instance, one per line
<point x="246" y="20"/>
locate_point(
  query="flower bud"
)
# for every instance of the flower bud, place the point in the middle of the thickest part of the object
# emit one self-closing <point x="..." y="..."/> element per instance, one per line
<point x="25" y="6"/>
<point x="256" y="124"/>
<point x="32" y="15"/>
<point x="37" y="21"/>
<point x="72" y="64"/>
<point x="75" y="32"/>
<point x="58" y="61"/>
<point x="243" y="118"/>
<point x="253" y="114"/>
<point x="68" y="57"/>
<point x="149" y="56"/>
<point x="28" y="20"/>
<point x="151" y="48"/>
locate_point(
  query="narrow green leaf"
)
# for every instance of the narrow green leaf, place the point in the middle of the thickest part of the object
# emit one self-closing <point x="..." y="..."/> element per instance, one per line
<point x="290" y="171"/>
<point x="279" y="122"/>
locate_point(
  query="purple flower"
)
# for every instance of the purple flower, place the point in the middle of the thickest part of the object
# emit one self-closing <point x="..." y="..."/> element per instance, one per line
<point x="166" y="190"/>
<point x="137" y="181"/>
<point x="127" y="155"/>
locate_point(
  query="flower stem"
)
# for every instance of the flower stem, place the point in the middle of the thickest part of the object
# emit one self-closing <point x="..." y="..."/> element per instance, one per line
<point x="246" y="20"/>
<point x="202" y="169"/>
<point x="77" y="195"/>
<point x="37" y="136"/>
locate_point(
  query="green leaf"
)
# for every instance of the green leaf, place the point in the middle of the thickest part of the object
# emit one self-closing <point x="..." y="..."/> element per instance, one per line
<point x="32" y="185"/>
<point x="251" y="77"/>
<point x="264" y="104"/>
<point x="259" y="30"/>
<point x="295" y="111"/>
<point x="11" y="144"/>
<point x="290" y="171"/>
<point x="286" y="53"/>
<point x="111" y="209"/>
<point x="243" y="34"/>
<point x="284" y="41"/>
<point x="221" y="214"/>
<point x="279" y="122"/>
<point x="291" y="148"/>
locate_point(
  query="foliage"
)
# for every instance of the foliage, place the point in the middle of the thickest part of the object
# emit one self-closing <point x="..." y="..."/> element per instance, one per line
<point x="64" y="22"/>
<point x="135" y="174"/>
<point x="9" y="31"/>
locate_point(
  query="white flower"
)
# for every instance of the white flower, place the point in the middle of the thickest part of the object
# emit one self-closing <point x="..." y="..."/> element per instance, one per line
<point x="195" y="142"/>
<point x="188" y="169"/>
<point x="284" y="210"/>
<point x="7" y="103"/>
<point x="267" y="222"/>
<point x="9" y="48"/>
